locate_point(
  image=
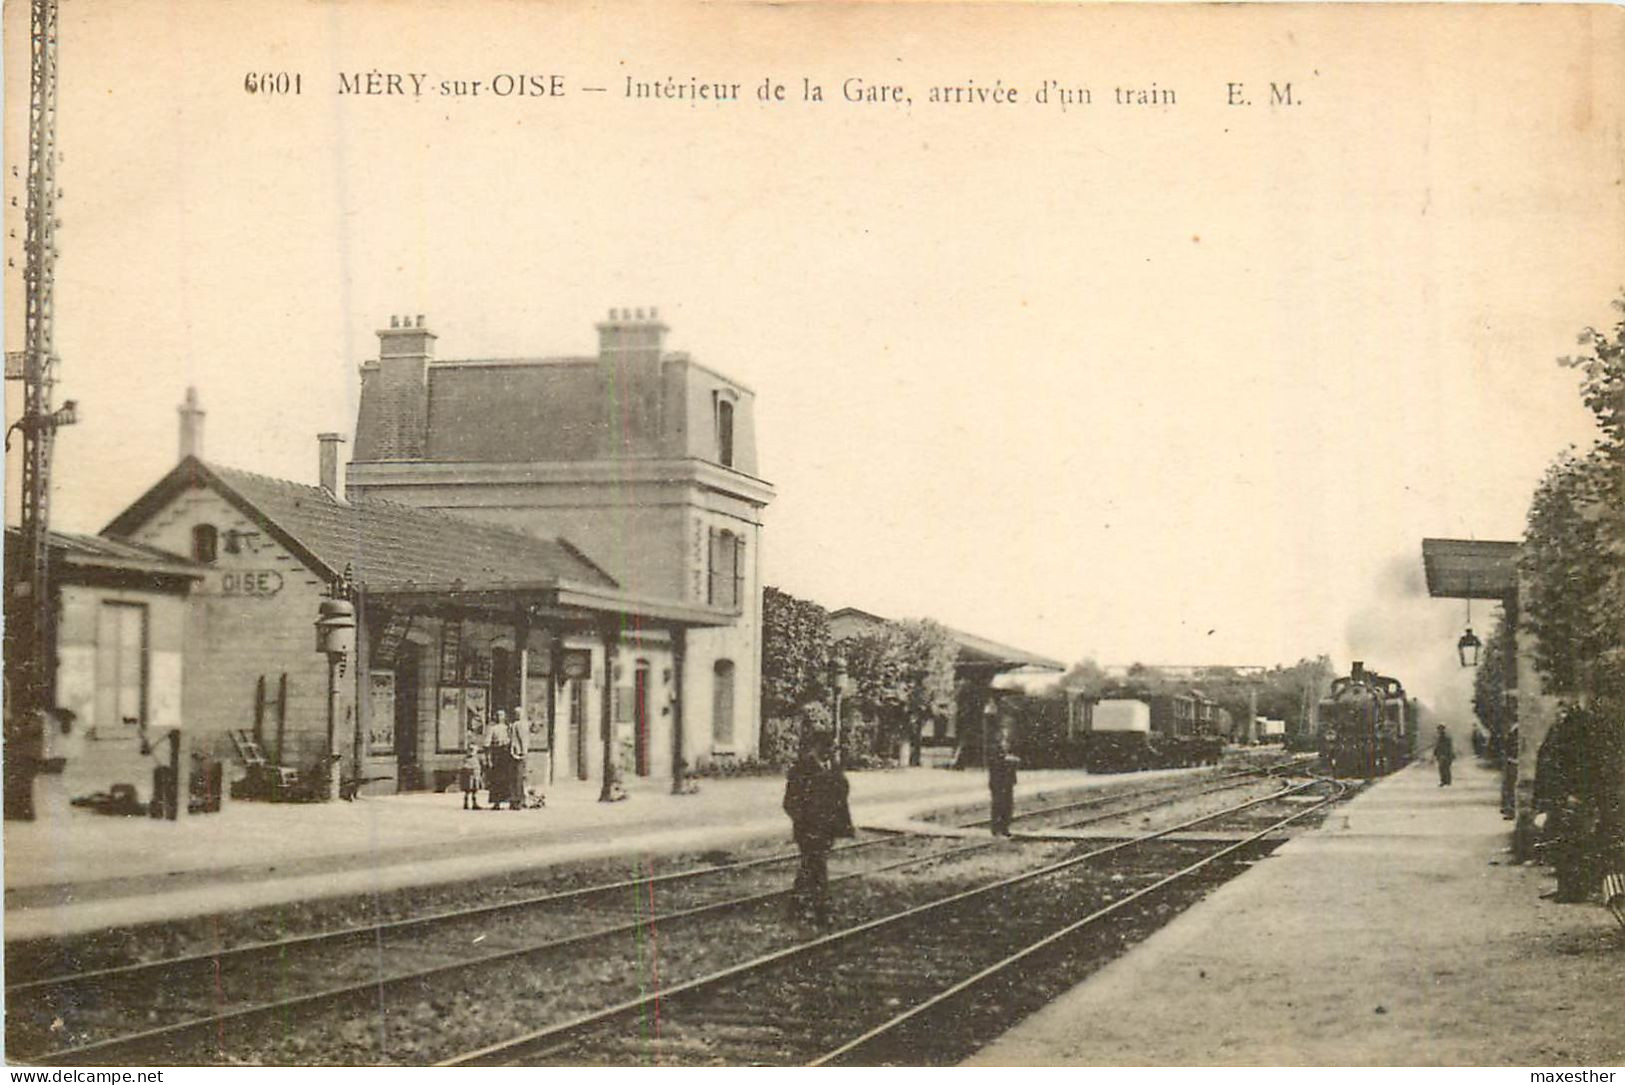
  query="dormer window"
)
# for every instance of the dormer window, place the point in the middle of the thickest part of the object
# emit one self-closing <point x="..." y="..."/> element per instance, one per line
<point x="723" y="408"/>
<point x="205" y="544"/>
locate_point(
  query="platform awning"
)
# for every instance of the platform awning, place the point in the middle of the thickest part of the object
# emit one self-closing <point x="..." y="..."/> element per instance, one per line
<point x="1470" y="568"/>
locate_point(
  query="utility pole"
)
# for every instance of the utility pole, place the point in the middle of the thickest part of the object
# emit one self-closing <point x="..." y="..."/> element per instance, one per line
<point x="30" y="604"/>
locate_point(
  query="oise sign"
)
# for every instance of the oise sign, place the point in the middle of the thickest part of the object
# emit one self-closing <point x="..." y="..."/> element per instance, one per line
<point x="256" y="582"/>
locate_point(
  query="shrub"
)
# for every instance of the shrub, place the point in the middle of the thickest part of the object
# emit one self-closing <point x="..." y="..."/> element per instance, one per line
<point x="728" y="767"/>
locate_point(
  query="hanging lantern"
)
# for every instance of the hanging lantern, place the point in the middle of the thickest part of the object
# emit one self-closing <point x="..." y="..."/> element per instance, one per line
<point x="1469" y="644"/>
<point x="1467" y="648"/>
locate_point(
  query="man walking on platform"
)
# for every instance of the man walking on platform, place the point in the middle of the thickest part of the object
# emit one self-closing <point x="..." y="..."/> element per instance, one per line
<point x="1444" y="752"/>
<point x="815" y="798"/>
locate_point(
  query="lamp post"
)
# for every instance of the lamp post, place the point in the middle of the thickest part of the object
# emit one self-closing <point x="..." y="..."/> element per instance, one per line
<point x="838" y="669"/>
<point x="335" y="637"/>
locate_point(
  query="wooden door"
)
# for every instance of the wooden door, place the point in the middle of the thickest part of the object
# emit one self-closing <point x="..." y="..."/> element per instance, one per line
<point x="640" y="718"/>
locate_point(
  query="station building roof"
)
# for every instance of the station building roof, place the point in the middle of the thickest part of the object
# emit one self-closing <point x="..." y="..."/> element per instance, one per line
<point x="385" y="546"/>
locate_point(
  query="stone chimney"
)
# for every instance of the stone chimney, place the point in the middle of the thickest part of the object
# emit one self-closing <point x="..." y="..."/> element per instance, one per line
<point x="631" y="334"/>
<point x="405" y="349"/>
<point x="328" y="468"/>
<point x="191" y="425"/>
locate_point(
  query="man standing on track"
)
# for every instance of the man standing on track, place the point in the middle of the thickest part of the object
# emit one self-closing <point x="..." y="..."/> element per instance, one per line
<point x="1444" y="752"/>
<point x="1001" y="781"/>
<point x="815" y="798"/>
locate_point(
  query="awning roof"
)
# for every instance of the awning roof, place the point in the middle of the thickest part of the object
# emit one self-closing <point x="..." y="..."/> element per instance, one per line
<point x="1470" y="568"/>
<point x="95" y="552"/>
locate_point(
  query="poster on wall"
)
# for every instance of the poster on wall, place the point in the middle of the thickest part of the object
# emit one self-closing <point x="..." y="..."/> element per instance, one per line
<point x="381" y="725"/>
<point x="474" y="715"/>
<point x="451" y="652"/>
<point x="537" y="691"/>
<point x="448" y="721"/>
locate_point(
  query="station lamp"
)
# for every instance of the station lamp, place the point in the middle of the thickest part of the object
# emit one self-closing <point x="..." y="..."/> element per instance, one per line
<point x="1467" y="648"/>
<point x="1469" y="644"/>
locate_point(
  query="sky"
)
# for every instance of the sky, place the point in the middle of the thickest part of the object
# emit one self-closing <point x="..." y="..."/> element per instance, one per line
<point x="1177" y="383"/>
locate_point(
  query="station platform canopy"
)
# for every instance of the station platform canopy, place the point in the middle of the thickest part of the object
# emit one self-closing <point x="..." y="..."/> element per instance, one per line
<point x="1470" y="568"/>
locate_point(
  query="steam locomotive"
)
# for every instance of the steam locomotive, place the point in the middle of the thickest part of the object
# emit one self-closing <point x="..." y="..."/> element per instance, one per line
<point x="1367" y="726"/>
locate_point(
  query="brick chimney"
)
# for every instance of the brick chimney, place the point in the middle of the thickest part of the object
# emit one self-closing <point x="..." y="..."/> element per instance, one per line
<point x="631" y="393"/>
<point x="399" y="390"/>
<point x="328" y="469"/>
<point x="632" y="334"/>
<point x="191" y="443"/>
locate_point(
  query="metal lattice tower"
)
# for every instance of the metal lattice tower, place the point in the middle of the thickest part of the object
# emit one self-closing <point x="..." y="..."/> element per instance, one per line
<point x="33" y="638"/>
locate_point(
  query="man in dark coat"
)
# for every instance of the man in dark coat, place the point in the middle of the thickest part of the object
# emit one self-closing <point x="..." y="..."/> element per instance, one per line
<point x="1444" y="752"/>
<point x="1509" y="772"/>
<point x="1563" y="792"/>
<point x="1001" y="781"/>
<point x="815" y="798"/>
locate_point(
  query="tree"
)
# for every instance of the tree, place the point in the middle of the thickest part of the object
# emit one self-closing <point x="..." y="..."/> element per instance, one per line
<point x="928" y="653"/>
<point x="1490" y="684"/>
<point x="1574" y="550"/>
<point x="795" y="667"/>
<point x="1085" y="676"/>
<point x="1573" y="566"/>
<point x="902" y="679"/>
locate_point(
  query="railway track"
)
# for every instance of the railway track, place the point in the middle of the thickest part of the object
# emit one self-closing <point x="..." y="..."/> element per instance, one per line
<point x="877" y="991"/>
<point x="190" y="1006"/>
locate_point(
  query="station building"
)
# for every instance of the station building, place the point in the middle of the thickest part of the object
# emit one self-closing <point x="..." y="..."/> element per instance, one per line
<point x="980" y="667"/>
<point x="642" y="457"/>
<point x="121" y="621"/>
<point x="574" y="540"/>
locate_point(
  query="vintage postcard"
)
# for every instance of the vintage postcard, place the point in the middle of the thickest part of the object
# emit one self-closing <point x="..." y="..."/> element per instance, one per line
<point x="993" y="533"/>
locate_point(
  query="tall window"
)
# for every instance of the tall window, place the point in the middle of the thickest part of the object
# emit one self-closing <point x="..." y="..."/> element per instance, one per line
<point x="205" y="544"/>
<point x="725" y="432"/>
<point x="121" y="668"/>
<point x="722" y="703"/>
<point x="727" y="569"/>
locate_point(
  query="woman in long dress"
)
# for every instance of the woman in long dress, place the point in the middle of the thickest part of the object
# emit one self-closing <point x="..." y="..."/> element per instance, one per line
<point x="497" y="740"/>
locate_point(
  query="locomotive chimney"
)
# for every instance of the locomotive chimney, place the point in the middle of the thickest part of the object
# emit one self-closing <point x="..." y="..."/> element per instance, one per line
<point x="1357" y="671"/>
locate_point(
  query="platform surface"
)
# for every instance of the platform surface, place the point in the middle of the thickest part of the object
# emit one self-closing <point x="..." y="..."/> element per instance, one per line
<point x="1398" y="933"/>
<point x="75" y="871"/>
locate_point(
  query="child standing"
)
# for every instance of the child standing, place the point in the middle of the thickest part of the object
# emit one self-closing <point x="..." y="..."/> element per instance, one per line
<point x="472" y="779"/>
